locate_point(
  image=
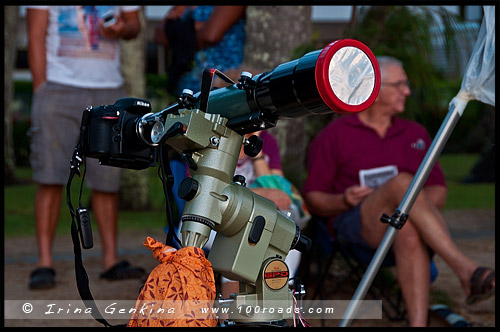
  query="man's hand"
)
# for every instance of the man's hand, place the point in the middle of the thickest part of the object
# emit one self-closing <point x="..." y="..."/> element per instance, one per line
<point x="114" y="31"/>
<point x="127" y="26"/>
<point x="355" y="194"/>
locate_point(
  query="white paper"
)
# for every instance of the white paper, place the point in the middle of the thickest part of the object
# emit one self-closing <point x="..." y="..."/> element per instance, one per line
<point x="375" y="177"/>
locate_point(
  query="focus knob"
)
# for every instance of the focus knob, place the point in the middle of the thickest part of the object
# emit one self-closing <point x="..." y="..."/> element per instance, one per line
<point x="253" y="145"/>
<point x="188" y="189"/>
<point x="239" y="179"/>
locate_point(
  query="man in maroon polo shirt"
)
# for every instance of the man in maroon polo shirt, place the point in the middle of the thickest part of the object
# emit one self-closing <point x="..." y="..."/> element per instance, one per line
<point x="361" y="165"/>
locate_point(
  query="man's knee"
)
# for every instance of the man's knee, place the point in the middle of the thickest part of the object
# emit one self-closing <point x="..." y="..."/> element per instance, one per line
<point x="399" y="184"/>
<point x="49" y="190"/>
<point x="402" y="180"/>
<point x="408" y="238"/>
<point x="390" y="193"/>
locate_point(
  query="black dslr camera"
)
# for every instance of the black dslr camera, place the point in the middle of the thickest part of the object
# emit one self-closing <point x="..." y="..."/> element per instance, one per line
<point x="109" y="134"/>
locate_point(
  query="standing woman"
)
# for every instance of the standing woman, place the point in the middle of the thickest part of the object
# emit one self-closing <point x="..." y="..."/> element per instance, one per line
<point x="201" y="37"/>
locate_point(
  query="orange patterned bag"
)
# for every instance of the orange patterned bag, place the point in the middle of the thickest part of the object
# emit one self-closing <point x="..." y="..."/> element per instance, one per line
<point x="180" y="291"/>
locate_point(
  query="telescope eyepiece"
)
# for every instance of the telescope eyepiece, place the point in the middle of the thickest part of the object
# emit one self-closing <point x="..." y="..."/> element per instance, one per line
<point x="253" y="145"/>
<point x="301" y="242"/>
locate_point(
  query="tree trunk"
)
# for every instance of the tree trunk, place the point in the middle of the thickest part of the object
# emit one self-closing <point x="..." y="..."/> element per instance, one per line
<point x="134" y="186"/>
<point x="272" y="33"/>
<point x="10" y="32"/>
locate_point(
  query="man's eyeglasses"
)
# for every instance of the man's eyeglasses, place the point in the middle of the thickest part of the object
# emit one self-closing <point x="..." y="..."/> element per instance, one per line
<point x="399" y="84"/>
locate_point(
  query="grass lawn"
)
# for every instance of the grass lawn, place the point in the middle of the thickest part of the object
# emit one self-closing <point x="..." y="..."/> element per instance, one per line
<point x="18" y="199"/>
<point x="465" y="195"/>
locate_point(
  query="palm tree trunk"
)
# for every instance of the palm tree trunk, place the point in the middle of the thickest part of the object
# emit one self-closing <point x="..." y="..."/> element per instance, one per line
<point x="269" y="44"/>
<point x="134" y="186"/>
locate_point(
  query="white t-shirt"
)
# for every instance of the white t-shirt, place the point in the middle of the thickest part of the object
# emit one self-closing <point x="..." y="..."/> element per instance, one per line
<point x="76" y="54"/>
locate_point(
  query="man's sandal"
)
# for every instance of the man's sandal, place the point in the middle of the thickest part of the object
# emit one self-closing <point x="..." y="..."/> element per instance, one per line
<point x="42" y="278"/>
<point x="481" y="287"/>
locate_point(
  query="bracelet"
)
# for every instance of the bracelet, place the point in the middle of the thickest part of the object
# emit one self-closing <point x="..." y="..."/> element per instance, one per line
<point x="257" y="158"/>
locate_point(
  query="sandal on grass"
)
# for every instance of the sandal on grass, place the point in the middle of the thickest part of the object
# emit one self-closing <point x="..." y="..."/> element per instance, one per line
<point x="481" y="286"/>
<point x="42" y="278"/>
<point x="123" y="270"/>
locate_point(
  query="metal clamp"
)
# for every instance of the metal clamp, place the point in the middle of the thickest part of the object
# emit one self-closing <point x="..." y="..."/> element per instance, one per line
<point x="397" y="220"/>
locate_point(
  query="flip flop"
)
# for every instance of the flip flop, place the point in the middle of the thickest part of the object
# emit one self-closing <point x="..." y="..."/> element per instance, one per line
<point x="481" y="288"/>
<point x="444" y="313"/>
<point x="42" y="278"/>
<point x="123" y="270"/>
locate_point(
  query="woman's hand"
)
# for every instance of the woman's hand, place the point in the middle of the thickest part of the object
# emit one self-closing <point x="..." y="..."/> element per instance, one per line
<point x="175" y="13"/>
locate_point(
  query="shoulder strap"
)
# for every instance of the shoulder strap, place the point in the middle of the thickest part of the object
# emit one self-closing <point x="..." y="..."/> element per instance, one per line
<point x="82" y="279"/>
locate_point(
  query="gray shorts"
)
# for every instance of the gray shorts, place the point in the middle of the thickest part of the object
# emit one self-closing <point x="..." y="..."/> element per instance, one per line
<point x="56" y="115"/>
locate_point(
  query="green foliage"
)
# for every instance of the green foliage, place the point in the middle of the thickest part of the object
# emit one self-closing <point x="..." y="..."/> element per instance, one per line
<point x="23" y="92"/>
<point x="305" y="48"/>
<point x="407" y="33"/>
<point x="156" y="85"/>
<point x="20" y="127"/>
<point x="404" y="33"/>
<point x="156" y="91"/>
<point x="23" y="87"/>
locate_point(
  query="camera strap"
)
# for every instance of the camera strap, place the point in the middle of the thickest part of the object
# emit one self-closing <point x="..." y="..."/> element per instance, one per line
<point x="78" y="227"/>
<point x="82" y="279"/>
<point x="167" y="179"/>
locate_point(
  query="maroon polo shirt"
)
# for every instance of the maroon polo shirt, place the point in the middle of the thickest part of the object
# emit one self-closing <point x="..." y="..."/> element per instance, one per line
<point x="346" y="146"/>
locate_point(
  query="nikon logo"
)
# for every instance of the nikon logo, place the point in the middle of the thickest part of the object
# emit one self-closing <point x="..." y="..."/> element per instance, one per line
<point x="141" y="103"/>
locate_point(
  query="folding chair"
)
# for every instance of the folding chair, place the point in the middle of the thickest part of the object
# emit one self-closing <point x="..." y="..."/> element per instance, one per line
<point x="324" y="251"/>
<point x="356" y="259"/>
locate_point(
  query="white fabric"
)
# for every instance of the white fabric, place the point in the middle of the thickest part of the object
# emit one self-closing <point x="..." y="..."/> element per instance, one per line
<point x="74" y="60"/>
<point x="479" y="79"/>
<point x="293" y="262"/>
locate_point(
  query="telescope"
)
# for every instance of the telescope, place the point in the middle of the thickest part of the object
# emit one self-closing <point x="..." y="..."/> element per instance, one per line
<point x="207" y="129"/>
